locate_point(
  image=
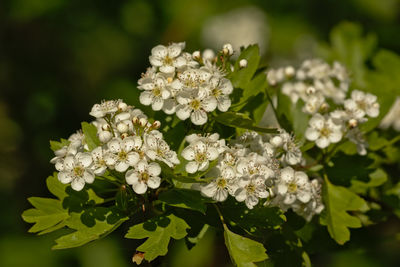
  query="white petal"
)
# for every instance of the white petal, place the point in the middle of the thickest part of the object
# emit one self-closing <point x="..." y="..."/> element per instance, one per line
<point x="65" y="177"/>
<point x="209" y="104"/>
<point x="191" y="167"/>
<point x="174" y="50"/>
<point x="322" y="142"/>
<point x="146" y="98"/>
<point x="154" y="169"/>
<point x="281" y="189"/>
<point x="154" y="182"/>
<point x="221" y="195"/>
<point x="212" y="153"/>
<point x="209" y="190"/>
<point x="183" y="112"/>
<point x="251" y="201"/>
<point x="335" y="136"/>
<point x="240" y="194"/>
<point x="157" y="103"/>
<point x="226" y="86"/>
<point x="167" y="69"/>
<point x="159" y="51"/>
<point x="69" y="162"/>
<point x="132" y="158"/>
<point x="199" y="147"/>
<point x="131" y="177"/>
<point x="121" y="166"/>
<point x="140" y="187"/>
<point x="287" y="174"/>
<point x="155" y="61"/>
<point x="169" y="106"/>
<point x="188" y="153"/>
<point x="224" y="102"/>
<point x="312" y="134"/>
<point x="142" y="166"/>
<point x="203" y="166"/>
<point x="289" y="199"/>
<point x="114" y="145"/>
<point x="77" y="184"/>
<point x="88" y="176"/>
<point x="317" y="121"/>
<point x="303" y="196"/>
<point x="198" y="117"/>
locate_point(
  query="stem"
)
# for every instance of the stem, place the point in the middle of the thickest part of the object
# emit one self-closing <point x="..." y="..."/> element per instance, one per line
<point x="220" y="216"/>
<point x="108" y="200"/>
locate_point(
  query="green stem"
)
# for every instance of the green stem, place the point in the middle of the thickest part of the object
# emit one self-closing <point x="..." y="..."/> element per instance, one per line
<point x="220" y="216"/>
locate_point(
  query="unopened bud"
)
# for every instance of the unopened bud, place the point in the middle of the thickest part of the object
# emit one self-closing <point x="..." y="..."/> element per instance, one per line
<point x="310" y="90"/>
<point x="135" y="120"/>
<point x="196" y="55"/>
<point x="105" y="136"/>
<point x="122" y="127"/>
<point x="243" y="63"/>
<point x="143" y="122"/>
<point x="227" y="49"/>
<point x="105" y="127"/>
<point x="208" y="54"/>
<point x="289" y="71"/>
<point x="276" y="141"/>
<point x="353" y="123"/>
<point x="122" y="106"/>
<point x="124" y="135"/>
<point x="156" y="125"/>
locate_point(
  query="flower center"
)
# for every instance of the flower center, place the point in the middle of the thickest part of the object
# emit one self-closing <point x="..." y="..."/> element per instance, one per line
<point x="122" y="155"/>
<point x="144" y="176"/>
<point x="78" y="171"/>
<point x="325" y="132"/>
<point x="157" y="91"/>
<point x="221" y="183"/>
<point x="251" y="188"/>
<point x="292" y="187"/>
<point x="195" y="104"/>
<point x="200" y="157"/>
<point x="216" y="92"/>
<point x="168" y="60"/>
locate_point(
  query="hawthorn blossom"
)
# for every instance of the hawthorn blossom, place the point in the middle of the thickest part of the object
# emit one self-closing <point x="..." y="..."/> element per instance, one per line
<point x="293" y="185"/>
<point x="157" y="149"/>
<point x="144" y="175"/>
<point x="155" y="92"/>
<point x="99" y="165"/>
<point x="220" y="89"/>
<point x="76" y="170"/>
<point x="122" y="154"/>
<point x="219" y="188"/>
<point x="199" y="154"/>
<point x="323" y="131"/>
<point x="361" y="104"/>
<point x="193" y="106"/>
<point x="251" y="189"/>
<point x="167" y="58"/>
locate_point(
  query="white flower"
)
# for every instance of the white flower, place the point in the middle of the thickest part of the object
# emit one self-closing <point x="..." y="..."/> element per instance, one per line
<point x="155" y="92"/>
<point x="243" y="63"/>
<point x="191" y="105"/>
<point x="323" y="131"/>
<point x="121" y="153"/>
<point x="77" y="171"/>
<point x="99" y="165"/>
<point x="219" y="188"/>
<point x="104" y="108"/>
<point x="355" y="136"/>
<point x="293" y="185"/>
<point x="220" y="89"/>
<point x="167" y="58"/>
<point x="362" y="103"/>
<point x="199" y="154"/>
<point x="158" y="149"/>
<point x="143" y="176"/>
<point x="292" y="153"/>
<point x="312" y="207"/>
<point x="392" y="118"/>
<point x="251" y="189"/>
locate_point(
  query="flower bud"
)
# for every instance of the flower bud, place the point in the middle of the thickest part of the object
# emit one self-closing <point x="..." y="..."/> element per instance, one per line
<point x="208" y="54"/>
<point x="276" y="141"/>
<point x="310" y="90"/>
<point x="135" y="120"/>
<point x="122" y="106"/>
<point x="227" y="50"/>
<point x="122" y="127"/>
<point x="105" y="136"/>
<point x="156" y="125"/>
<point x="196" y="55"/>
<point x="353" y="123"/>
<point x="143" y="122"/>
<point x="243" y="63"/>
<point x="105" y="127"/>
<point x="289" y="71"/>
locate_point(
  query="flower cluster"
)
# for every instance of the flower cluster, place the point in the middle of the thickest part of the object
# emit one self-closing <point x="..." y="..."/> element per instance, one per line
<point x="323" y="89"/>
<point x="128" y="143"/>
<point x="188" y="85"/>
<point x="255" y="167"/>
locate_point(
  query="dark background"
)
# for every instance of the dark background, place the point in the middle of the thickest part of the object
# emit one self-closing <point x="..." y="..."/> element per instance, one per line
<point x="59" y="57"/>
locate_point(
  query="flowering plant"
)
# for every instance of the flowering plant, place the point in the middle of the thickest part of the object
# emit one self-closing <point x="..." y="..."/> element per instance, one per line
<point x="259" y="153"/>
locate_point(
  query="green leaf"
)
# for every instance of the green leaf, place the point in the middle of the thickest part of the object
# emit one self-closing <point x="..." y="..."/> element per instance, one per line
<point x="98" y="223"/>
<point x="56" y="187"/>
<point x="55" y="145"/>
<point x="251" y="90"/>
<point x="158" y="232"/>
<point x="244" y="252"/>
<point x="240" y="120"/>
<point x="47" y="214"/>
<point x="338" y="200"/>
<point x="90" y="132"/>
<point x="240" y="77"/>
<point x="184" y="198"/>
<point x="377" y="178"/>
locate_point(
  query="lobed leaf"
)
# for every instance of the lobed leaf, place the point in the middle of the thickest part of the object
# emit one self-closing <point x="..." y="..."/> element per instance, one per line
<point x="338" y="201"/>
<point x="90" y="132"/>
<point x="158" y="232"/>
<point x="184" y="198"/>
<point x="244" y="252"/>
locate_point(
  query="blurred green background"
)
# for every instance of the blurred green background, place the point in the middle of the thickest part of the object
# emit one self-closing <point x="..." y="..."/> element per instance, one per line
<point x="59" y="57"/>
